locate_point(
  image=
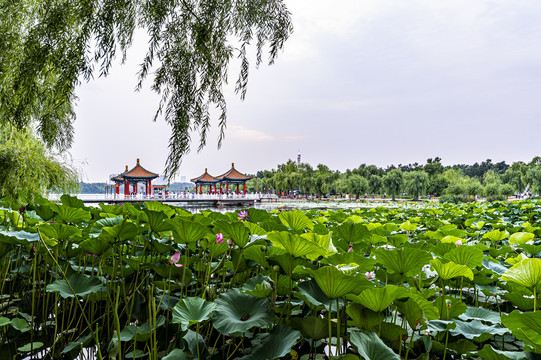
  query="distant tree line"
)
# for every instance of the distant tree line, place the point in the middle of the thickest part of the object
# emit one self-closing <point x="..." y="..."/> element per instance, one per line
<point x="485" y="179"/>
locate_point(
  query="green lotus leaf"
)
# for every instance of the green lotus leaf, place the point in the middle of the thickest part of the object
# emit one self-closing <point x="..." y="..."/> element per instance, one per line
<point x="107" y="222"/>
<point x="20" y="324"/>
<point x="450" y="239"/>
<point x="496" y="235"/>
<point x="352" y="233"/>
<point x="409" y="226"/>
<point x="489" y="353"/>
<point x="526" y="273"/>
<point x="352" y="258"/>
<point x="18" y="237"/>
<point x="362" y="318"/>
<point x="404" y="261"/>
<point x="237" y="313"/>
<point x="310" y="292"/>
<point x="494" y="266"/>
<point x="476" y="330"/>
<point x="417" y="310"/>
<point x="275" y="345"/>
<point x="4" y="321"/>
<point x="260" y="286"/>
<point x="335" y="282"/>
<point x="441" y="325"/>
<point x="82" y="286"/>
<point x="44" y="211"/>
<point x="72" y="201"/>
<point x="157" y="221"/>
<point x="124" y="231"/>
<point x="371" y="347"/>
<point x="520" y="238"/>
<point x="96" y="246"/>
<point x="140" y="333"/>
<point x="518" y="300"/>
<point x="71" y="215"/>
<point x="450" y="270"/>
<point x="478" y="225"/>
<point x="159" y="207"/>
<point x="482" y="314"/>
<point x="531" y="249"/>
<point x="192" y="310"/>
<point x="177" y="354"/>
<point x="236" y="231"/>
<point x="187" y="232"/>
<point x="469" y="256"/>
<point x="193" y="341"/>
<point x="254" y="228"/>
<point x="296" y="220"/>
<point x="450" y="307"/>
<point x="59" y="231"/>
<point x="77" y="344"/>
<point x="525" y="327"/>
<point x="323" y="241"/>
<point x="379" y="298"/>
<point x="257" y="215"/>
<point x="136" y="354"/>
<point x="257" y="254"/>
<point x="295" y="245"/>
<point x="430" y="310"/>
<point x="313" y="327"/>
<point x="30" y="346"/>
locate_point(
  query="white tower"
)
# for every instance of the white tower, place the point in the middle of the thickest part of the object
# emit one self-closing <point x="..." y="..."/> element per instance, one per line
<point x="299" y="158"/>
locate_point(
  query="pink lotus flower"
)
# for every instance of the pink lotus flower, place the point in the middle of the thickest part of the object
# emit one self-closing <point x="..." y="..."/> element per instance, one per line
<point x="458" y="242"/>
<point x="243" y="215"/>
<point x="219" y="238"/>
<point x="350" y="248"/>
<point x="369" y="276"/>
<point x="89" y="254"/>
<point x="174" y="260"/>
<point x="230" y="243"/>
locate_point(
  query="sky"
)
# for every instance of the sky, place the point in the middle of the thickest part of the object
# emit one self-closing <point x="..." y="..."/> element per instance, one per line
<point x="360" y="81"/>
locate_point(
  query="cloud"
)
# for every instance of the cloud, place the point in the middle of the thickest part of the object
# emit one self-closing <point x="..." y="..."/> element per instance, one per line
<point x="241" y="133"/>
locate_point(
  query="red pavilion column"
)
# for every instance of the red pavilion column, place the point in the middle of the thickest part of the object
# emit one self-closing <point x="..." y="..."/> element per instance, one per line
<point x="237" y="189"/>
<point x="149" y="188"/>
<point x="221" y="189"/>
<point x="127" y="188"/>
<point x="201" y="189"/>
<point x="244" y="190"/>
<point x="227" y="186"/>
<point x="195" y="189"/>
<point x="214" y="189"/>
<point x="135" y="188"/>
<point x="117" y="188"/>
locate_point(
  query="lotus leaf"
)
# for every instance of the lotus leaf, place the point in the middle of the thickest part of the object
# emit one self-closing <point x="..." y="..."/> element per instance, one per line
<point x="450" y="270"/>
<point x="489" y="353"/>
<point x="71" y="215"/>
<point x="140" y="333"/>
<point x="520" y="238"/>
<point x="479" y="313"/>
<point x="257" y="215"/>
<point x="409" y="226"/>
<point x="378" y="299"/>
<point x="363" y="318"/>
<point x="352" y="233"/>
<point x="476" y="330"/>
<point x="494" y="266"/>
<point x="157" y="221"/>
<point x="313" y="327"/>
<point x="296" y="245"/>
<point x="136" y="354"/>
<point x="323" y="241"/>
<point x="450" y="307"/>
<point x="525" y="327"/>
<point x="469" y="256"/>
<point x="260" y="286"/>
<point x="192" y="310"/>
<point x="334" y="282"/>
<point x="20" y="324"/>
<point x="158" y="207"/>
<point x="176" y="354"/>
<point x="81" y="285"/>
<point x="30" y="346"/>
<point x="296" y="220"/>
<point x="96" y="246"/>
<point x="311" y="292"/>
<point x="124" y="231"/>
<point x="275" y="345"/>
<point x="495" y="235"/>
<point x="255" y="229"/>
<point x="237" y="313"/>
<point x="371" y="347"/>
<point x="526" y="273"/>
<point x="77" y="344"/>
<point x="404" y="261"/>
<point x="19" y="236"/>
<point x="187" y="232"/>
<point x="72" y="201"/>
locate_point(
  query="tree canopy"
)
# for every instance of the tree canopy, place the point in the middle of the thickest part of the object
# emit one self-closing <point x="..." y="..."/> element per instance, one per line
<point x="48" y="47"/>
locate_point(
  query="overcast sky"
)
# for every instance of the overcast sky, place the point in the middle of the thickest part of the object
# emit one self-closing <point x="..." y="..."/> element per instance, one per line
<point x="378" y="82"/>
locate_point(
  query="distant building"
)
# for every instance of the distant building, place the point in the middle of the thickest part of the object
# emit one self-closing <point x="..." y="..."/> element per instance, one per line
<point x="299" y="158"/>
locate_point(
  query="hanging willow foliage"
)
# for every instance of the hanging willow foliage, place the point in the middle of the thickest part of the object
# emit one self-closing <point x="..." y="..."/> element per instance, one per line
<point x="48" y="47"/>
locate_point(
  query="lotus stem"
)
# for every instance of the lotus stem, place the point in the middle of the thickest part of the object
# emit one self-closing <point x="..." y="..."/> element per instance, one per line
<point x="338" y="326"/>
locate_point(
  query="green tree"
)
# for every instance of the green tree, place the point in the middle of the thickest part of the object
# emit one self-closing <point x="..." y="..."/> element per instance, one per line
<point x="507" y="190"/>
<point x="375" y="182"/>
<point x="393" y="182"/>
<point x="533" y="177"/>
<point x="437" y="184"/>
<point x="433" y="167"/>
<point x="47" y="49"/>
<point x="474" y="187"/>
<point x="357" y="185"/>
<point x="28" y="169"/>
<point x="416" y="183"/>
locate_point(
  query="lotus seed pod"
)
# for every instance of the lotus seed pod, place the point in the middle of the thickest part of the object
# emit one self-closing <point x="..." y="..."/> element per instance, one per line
<point x="276" y="268"/>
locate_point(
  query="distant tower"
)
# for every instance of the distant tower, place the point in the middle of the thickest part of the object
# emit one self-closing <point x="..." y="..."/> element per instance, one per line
<point x="299" y="158"/>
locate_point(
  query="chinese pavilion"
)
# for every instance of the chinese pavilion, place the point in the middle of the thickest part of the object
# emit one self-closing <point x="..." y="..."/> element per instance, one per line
<point x="134" y="176"/>
<point x="234" y="177"/>
<point x="207" y="180"/>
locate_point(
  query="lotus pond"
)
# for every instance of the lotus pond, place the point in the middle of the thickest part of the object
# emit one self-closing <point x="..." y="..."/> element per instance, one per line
<point x="153" y="281"/>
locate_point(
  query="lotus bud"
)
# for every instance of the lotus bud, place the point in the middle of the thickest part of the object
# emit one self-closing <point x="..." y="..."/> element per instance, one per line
<point x="276" y="268"/>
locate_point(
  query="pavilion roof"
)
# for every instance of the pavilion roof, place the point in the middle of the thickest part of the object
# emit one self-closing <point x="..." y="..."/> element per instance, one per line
<point x="138" y="172"/>
<point x="117" y="178"/>
<point x="233" y="175"/>
<point x="205" y="178"/>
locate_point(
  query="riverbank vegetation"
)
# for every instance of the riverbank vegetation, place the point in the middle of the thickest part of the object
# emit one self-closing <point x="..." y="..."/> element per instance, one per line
<point x="152" y="281"/>
<point x="490" y="180"/>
